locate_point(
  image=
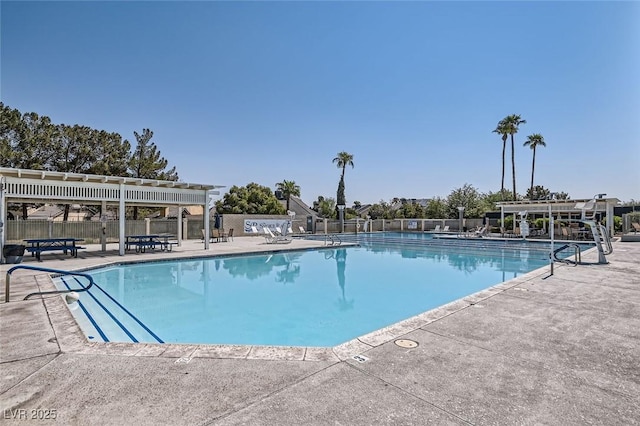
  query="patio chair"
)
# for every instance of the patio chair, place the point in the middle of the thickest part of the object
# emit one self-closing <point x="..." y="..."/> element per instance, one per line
<point x="565" y="233"/>
<point x="230" y="235"/>
<point x="636" y="227"/>
<point x="210" y="239"/>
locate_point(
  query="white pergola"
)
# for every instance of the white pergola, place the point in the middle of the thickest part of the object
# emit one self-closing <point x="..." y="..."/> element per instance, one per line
<point x="39" y="186"/>
<point x="558" y="208"/>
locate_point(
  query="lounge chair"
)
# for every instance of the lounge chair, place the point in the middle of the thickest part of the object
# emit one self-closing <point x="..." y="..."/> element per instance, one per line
<point x="437" y="228"/>
<point x="636" y="227"/>
<point x="302" y="230"/>
<point x="446" y="228"/>
<point x="271" y="238"/>
<point x="482" y="231"/>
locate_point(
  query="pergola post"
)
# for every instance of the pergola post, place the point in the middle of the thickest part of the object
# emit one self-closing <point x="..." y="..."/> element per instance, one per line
<point x="205" y="215"/>
<point x="121" y="220"/>
<point x="611" y="229"/>
<point x="103" y="222"/>
<point x="179" y="234"/>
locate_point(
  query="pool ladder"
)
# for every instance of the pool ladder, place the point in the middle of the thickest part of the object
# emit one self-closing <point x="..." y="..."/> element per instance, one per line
<point x="42" y="293"/>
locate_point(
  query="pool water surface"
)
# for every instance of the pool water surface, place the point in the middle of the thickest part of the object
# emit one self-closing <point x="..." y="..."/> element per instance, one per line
<point x="299" y="298"/>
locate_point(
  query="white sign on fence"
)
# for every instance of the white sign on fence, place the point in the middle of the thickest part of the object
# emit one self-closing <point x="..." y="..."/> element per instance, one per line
<point x="283" y="224"/>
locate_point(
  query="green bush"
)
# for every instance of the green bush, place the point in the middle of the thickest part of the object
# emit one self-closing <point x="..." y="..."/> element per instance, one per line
<point x="617" y="223"/>
<point x="508" y="222"/>
<point x="540" y="223"/>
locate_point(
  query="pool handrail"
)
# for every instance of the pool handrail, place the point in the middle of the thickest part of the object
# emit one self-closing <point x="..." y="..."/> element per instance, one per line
<point x="332" y="239"/>
<point x="577" y="254"/>
<point x="42" y="293"/>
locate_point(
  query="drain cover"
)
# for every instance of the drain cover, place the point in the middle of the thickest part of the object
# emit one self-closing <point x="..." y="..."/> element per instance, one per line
<point x="406" y="343"/>
<point x="360" y="358"/>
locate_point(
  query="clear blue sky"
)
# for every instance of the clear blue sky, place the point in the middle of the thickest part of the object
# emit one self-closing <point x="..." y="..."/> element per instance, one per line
<point x="240" y="92"/>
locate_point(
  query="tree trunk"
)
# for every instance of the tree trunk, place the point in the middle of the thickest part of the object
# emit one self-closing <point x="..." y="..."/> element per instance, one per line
<point x="513" y="168"/>
<point x="65" y="217"/>
<point x="288" y="198"/>
<point x="135" y="212"/>
<point x="25" y="213"/>
<point x="504" y="148"/>
<point x="533" y="168"/>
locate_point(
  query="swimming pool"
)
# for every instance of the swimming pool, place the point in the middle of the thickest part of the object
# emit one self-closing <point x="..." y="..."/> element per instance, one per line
<point x="298" y="298"/>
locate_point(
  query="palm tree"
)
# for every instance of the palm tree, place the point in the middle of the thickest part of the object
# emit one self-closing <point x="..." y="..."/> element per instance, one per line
<point x="502" y="130"/>
<point x="343" y="160"/>
<point x="533" y="141"/>
<point x="512" y="122"/>
<point x="288" y="188"/>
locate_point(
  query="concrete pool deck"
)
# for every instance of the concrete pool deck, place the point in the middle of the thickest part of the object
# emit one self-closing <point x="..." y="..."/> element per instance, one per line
<point x="563" y="349"/>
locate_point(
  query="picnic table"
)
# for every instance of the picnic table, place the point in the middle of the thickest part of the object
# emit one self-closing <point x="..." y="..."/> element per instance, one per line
<point x="37" y="245"/>
<point x="143" y="242"/>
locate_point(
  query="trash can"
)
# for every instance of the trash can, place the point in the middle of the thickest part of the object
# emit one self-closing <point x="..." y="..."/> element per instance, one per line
<point x="310" y="224"/>
<point x="13" y="252"/>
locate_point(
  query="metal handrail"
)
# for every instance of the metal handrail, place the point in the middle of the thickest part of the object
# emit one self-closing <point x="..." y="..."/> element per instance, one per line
<point x="335" y="240"/>
<point x="53" y="271"/>
<point x="577" y="254"/>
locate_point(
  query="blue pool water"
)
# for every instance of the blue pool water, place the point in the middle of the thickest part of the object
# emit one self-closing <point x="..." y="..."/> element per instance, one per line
<point x="302" y="298"/>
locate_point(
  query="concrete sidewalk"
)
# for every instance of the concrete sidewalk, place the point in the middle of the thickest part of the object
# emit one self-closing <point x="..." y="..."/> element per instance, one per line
<point x="563" y="350"/>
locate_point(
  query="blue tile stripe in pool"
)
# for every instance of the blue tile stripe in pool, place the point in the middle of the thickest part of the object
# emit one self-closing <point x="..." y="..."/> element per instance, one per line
<point x="112" y="316"/>
<point x="158" y="339"/>
<point x="88" y="315"/>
